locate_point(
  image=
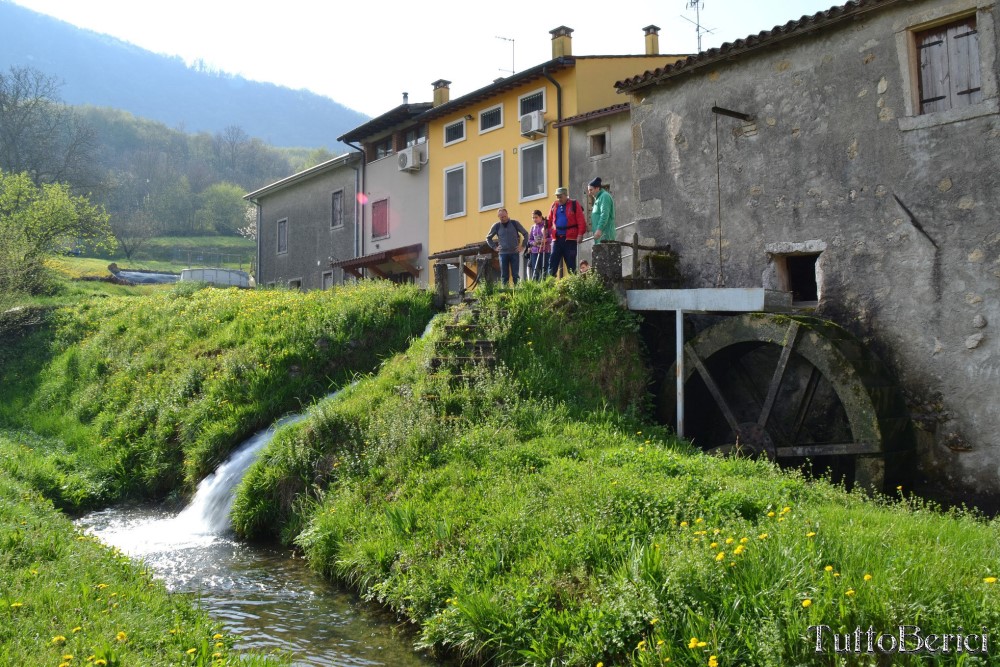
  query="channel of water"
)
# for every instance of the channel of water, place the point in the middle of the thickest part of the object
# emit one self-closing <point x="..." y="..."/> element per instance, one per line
<point x="266" y="596"/>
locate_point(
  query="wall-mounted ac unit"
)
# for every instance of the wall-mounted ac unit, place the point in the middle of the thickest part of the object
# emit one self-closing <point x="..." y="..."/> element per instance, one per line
<point x="532" y="123"/>
<point x="409" y="159"/>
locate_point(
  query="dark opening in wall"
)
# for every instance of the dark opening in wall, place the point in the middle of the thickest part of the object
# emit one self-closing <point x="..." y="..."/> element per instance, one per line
<point x="800" y="277"/>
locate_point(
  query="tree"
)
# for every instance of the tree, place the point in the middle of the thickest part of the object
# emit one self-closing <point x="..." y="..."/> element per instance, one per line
<point x="41" y="136"/>
<point x="133" y="217"/>
<point x="221" y="209"/>
<point x="38" y="220"/>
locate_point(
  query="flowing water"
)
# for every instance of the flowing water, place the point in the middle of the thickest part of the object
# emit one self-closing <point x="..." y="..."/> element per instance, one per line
<point x="266" y="596"/>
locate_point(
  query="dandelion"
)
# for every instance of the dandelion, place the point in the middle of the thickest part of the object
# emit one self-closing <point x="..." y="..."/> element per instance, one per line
<point x="786" y="510"/>
<point x="729" y="540"/>
<point x="216" y="655"/>
<point x="101" y="661"/>
<point x="699" y="520"/>
<point x="828" y="568"/>
<point x="720" y="556"/>
<point x="654" y="621"/>
<point x="713" y="661"/>
<point x="770" y="514"/>
<point x="807" y="602"/>
<point x="738" y="550"/>
<point x="217" y="636"/>
<point x="64" y="664"/>
<point x="868" y="577"/>
<point x="659" y="642"/>
<point x="849" y="592"/>
<point x="684" y="524"/>
<point x="693" y="643"/>
<point x="990" y="580"/>
<point x="58" y="639"/>
<point x="744" y="540"/>
<point x="713" y="545"/>
<point x="77" y="629"/>
<point x="121" y="636"/>
<point x="600" y="664"/>
<point x="16" y="605"/>
<point x="68" y="656"/>
<point x="810" y="534"/>
<point x="762" y="536"/>
<point x="641" y="645"/>
<point x="191" y="651"/>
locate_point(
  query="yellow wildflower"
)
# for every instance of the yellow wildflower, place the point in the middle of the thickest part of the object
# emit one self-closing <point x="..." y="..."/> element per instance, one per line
<point x="720" y="556"/>
<point x="684" y="524"/>
<point x="101" y="661"/>
<point x="121" y="636"/>
<point x="738" y="550"/>
<point x="16" y="605"/>
<point x="58" y="639"/>
<point x="810" y="534"/>
<point x="77" y="629"/>
<point x="990" y="580"/>
<point x="806" y="602"/>
<point x="762" y="536"/>
<point x="693" y="643"/>
<point x="849" y="592"/>
<point x="713" y="661"/>
<point x="729" y="540"/>
<point x="828" y="568"/>
<point x="770" y="514"/>
<point x="191" y="651"/>
<point x="868" y="577"/>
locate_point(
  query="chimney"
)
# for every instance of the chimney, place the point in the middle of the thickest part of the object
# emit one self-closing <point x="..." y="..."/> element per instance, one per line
<point x="406" y="98"/>
<point x="441" y="92"/>
<point x="652" y="40"/>
<point x="562" y="42"/>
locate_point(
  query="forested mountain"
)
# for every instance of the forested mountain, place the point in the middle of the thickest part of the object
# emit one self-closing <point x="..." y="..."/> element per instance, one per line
<point x="102" y="71"/>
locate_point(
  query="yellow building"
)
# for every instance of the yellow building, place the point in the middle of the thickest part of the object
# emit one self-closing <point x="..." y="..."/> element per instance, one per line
<point x="496" y="147"/>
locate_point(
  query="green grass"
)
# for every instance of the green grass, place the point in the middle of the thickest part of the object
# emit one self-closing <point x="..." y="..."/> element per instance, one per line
<point x="150" y="393"/>
<point x="520" y="525"/>
<point x="65" y="599"/>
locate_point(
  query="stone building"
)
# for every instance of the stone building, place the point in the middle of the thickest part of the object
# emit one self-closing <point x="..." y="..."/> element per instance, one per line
<point x="853" y="158"/>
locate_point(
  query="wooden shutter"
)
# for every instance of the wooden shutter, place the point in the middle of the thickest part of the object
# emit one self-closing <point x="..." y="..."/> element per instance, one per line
<point x="380" y="219"/>
<point x="948" y="56"/>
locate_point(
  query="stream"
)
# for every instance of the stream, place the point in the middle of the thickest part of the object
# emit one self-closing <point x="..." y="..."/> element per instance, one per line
<point x="265" y="595"/>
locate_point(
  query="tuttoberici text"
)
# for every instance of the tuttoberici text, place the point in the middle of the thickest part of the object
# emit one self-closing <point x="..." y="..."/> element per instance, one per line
<point x="908" y="639"/>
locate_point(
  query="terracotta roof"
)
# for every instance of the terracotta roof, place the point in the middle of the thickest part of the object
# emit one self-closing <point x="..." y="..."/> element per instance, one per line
<point x="766" y="38"/>
<point x="389" y="119"/>
<point x="503" y="85"/>
<point x="597" y="113"/>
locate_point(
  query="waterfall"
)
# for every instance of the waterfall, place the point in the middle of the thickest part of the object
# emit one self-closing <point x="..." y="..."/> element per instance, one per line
<point x="208" y="512"/>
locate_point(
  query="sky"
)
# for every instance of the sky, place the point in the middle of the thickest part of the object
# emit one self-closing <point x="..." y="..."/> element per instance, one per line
<point x="365" y="54"/>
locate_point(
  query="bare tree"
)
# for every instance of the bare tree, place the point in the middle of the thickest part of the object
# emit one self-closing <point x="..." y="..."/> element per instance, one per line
<point x="41" y="136"/>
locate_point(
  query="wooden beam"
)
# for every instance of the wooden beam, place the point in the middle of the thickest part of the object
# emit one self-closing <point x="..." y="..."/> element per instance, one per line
<point x="354" y="272"/>
<point x="407" y="266"/>
<point x="377" y="271"/>
<point x="832" y="449"/>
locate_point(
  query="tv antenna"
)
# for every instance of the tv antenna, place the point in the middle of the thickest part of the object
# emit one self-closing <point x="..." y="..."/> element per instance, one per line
<point x="697" y="5"/>
<point x="511" y="40"/>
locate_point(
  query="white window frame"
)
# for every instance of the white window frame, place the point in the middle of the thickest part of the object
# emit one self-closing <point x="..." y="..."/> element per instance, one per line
<point x="928" y="17"/>
<point x="465" y="180"/>
<point x="491" y="207"/>
<point x="333" y="209"/>
<point x="465" y="132"/>
<point x="487" y="110"/>
<point x="545" y="100"/>
<point x="520" y="171"/>
<point x="282" y="221"/>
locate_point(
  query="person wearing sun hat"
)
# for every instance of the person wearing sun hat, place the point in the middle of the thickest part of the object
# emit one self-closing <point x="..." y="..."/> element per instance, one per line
<point x="567" y="225"/>
<point x="602" y="216"/>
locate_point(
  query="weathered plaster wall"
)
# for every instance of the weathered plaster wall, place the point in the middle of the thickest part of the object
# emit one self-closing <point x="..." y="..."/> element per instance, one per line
<point x="904" y="207"/>
<point x="312" y="242"/>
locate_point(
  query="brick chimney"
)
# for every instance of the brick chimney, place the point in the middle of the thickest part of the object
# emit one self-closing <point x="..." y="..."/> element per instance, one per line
<point x="442" y="93"/>
<point x="562" y="42"/>
<point x="652" y="40"/>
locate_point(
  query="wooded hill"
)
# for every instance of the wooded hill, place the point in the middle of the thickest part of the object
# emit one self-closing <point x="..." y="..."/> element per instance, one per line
<point x="102" y="71"/>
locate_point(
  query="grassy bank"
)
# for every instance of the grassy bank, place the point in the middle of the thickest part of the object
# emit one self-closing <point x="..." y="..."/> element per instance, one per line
<point x="531" y="516"/>
<point x="67" y="600"/>
<point x="145" y="395"/>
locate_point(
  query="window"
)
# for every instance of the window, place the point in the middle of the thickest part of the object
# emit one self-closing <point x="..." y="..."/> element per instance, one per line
<point x="337" y="201"/>
<point x="949" y="71"/>
<point x="597" y="143"/>
<point x="327" y="279"/>
<point x="380" y="219"/>
<point x="532" y="170"/>
<point x="533" y="101"/>
<point x="454" y="132"/>
<point x="282" y="236"/>
<point x="295" y="283"/>
<point x="415" y="135"/>
<point x="454" y="191"/>
<point x="491" y="119"/>
<point x="381" y="148"/>
<point x="491" y="182"/>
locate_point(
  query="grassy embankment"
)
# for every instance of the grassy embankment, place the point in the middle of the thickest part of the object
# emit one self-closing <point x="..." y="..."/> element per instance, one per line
<point x="531" y="518"/>
<point x="137" y="396"/>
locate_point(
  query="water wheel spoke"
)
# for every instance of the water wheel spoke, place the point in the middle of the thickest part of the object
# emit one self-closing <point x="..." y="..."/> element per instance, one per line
<point x="802" y="411"/>
<point x="812" y="449"/>
<point x="713" y="388"/>
<point x="779" y="373"/>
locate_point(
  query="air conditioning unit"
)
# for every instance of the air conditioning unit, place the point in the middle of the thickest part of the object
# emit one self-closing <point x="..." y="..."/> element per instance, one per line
<point x="532" y="123"/>
<point x="409" y="159"/>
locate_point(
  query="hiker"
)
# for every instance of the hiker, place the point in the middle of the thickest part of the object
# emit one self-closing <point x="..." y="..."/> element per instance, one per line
<point x="540" y="244"/>
<point x="603" y="214"/>
<point x="507" y="241"/>
<point x="567" y="225"/>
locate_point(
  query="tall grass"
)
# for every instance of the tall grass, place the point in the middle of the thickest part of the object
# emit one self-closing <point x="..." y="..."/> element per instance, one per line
<point x="524" y="526"/>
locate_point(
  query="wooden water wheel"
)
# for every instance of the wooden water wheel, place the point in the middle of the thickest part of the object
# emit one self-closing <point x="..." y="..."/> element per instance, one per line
<point x="799" y="390"/>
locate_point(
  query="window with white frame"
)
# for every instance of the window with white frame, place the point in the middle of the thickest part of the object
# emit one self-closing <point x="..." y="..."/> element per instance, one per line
<point x="491" y="119"/>
<point x="948" y="65"/>
<point x="532" y="159"/>
<point x="533" y="101"/>
<point x="491" y="181"/>
<point x="282" y="236"/>
<point x="380" y="219"/>
<point x="454" y="191"/>
<point x="454" y="132"/>
<point x="337" y="205"/>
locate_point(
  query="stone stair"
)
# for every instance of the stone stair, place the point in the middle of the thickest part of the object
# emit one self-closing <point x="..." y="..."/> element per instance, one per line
<point x="464" y="347"/>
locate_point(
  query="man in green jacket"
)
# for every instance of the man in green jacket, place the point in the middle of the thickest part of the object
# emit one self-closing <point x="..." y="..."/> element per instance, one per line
<point x="603" y="215"/>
